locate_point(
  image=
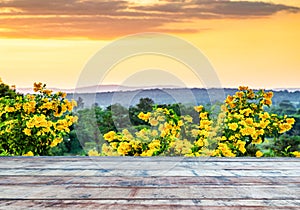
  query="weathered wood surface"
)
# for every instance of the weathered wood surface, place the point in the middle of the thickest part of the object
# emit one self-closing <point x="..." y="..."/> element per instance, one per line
<point x="149" y="183"/>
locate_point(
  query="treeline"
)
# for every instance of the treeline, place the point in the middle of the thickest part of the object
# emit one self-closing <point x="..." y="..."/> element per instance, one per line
<point x="171" y="96"/>
<point x="93" y="122"/>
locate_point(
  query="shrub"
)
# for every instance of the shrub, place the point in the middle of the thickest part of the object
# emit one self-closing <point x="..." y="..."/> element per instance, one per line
<point x="166" y="129"/>
<point x="284" y="146"/>
<point x="33" y="124"/>
<point x="243" y="124"/>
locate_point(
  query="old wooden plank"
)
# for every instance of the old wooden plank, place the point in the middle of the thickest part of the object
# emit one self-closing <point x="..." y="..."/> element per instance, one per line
<point x="145" y="159"/>
<point x="154" y="192"/>
<point x="145" y="172"/>
<point x="148" y="181"/>
<point x="129" y="165"/>
<point x="151" y="204"/>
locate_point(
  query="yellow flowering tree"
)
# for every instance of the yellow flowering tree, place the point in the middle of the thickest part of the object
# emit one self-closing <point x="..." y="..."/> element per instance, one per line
<point x="245" y="124"/>
<point x="33" y="124"/>
<point x="167" y="135"/>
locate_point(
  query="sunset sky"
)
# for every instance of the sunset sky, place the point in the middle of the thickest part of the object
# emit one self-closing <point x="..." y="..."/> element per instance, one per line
<point x="254" y="43"/>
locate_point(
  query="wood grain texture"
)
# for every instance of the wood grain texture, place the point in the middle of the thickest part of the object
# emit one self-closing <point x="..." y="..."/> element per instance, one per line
<point x="149" y="183"/>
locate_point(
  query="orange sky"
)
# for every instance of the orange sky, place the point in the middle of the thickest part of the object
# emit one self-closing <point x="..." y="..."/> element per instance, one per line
<point x="253" y="43"/>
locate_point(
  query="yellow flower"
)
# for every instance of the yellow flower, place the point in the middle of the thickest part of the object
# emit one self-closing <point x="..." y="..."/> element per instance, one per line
<point x="62" y="125"/>
<point x="195" y="132"/>
<point x="27" y="131"/>
<point x="74" y="103"/>
<point x="264" y="124"/>
<point x="9" y="109"/>
<point x="247" y="131"/>
<point x="29" y="154"/>
<point x="233" y="126"/>
<point x="231" y="138"/>
<point x="47" y="105"/>
<point x="296" y="154"/>
<point x="153" y="122"/>
<point x="243" y="88"/>
<point x="188" y="118"/>
<point x="290" y="121"/>
<point x="18" y="106"/>
<point x="268" y="95"/>
<point x="114" y="145"/>
<point x="93" y="153"/>
<point x="199" y="143"/>
<point x="249" y="121"/>
<point x="204" y="133"/>
<point x="259" y="154"/>
<point x="267" y="101"/>
<point x="284" y="127"/>
<point x="56" y="141"/>
<point x="264" y="115"/>
<point x="40" y="121"/>
<point x="47" y="92"/>
<point x="229" y="99"/>
<point x="223" y="109"/>
<point x="155" y="144"/>
<point x="37" y="86"/>
<point x="182" y="147"/>
<point x="124" y="148"/>
<point x="70" y="105"/>
<point x="71" y="119"/>
<point x="239" y="94"/>
<point x="260" y="132"/>
<point x="257" y="141"/>
<point x="110" y="136"/>
<point x="198" y="108"/>
<point x="144" y="116"/>
<point x="29" y="107"/>
<point x="241" y="146"/>
<point x="180" y="123"/>
<point x="154" y="133"/>
<point x="62" y="94"/>
<point x="203" y="115"/>
<point x="251" y="95"/>
<point x="108" y="150"/>
<point x="226" y="151"/>
<point x="161" y="118"/>
<point x="238" y="116"/>
<point x="148" y="153"/>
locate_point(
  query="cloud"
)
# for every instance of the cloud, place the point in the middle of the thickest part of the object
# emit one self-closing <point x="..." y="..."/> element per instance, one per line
<point x="220" y="9"/>
<point x="106" y="19"/>
<point x="246" y="8"/>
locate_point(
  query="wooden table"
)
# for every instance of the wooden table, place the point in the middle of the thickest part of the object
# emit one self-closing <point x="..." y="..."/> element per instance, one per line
<point x="149" y="183"/>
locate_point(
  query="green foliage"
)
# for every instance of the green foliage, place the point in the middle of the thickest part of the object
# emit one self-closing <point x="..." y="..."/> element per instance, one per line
<point x="6" y="91"/>
<point x="144" y="105"/>
<point x="33" y="124"/>
<point x="283" y="146"/>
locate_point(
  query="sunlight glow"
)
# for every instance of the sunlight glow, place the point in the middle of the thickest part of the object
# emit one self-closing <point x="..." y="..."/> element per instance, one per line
<point x="144" y="2"/>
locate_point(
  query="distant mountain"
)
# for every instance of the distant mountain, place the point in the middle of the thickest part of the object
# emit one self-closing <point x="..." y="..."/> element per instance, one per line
<point x="192" y="96"/>
<point x="287" y="89"/>
<point x="105" y="95"/>
<point x="97" y="89"/>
